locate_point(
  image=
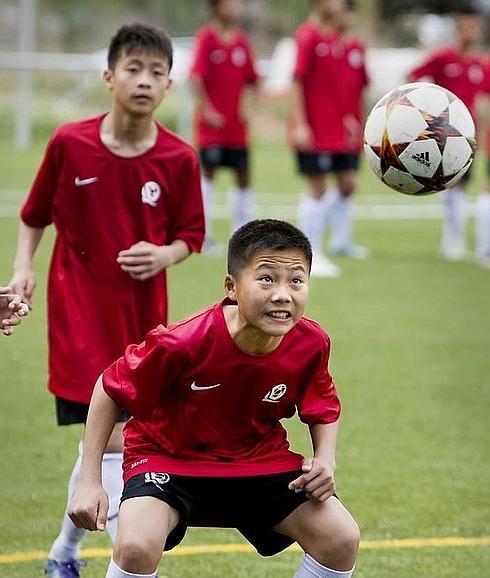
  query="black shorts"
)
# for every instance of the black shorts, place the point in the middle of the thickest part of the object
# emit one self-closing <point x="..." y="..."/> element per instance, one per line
<point x="216" y="156"/>
<point x="314" y="163"/>
<point x="69" y="412"/>
<point x="252" y="505"/>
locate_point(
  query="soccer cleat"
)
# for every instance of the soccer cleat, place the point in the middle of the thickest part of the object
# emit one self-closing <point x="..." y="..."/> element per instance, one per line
<point x="212" y="249"/>
<point x="322" y="267"/>
<point x="67" y="569"/>
<point x="353" y="251"/>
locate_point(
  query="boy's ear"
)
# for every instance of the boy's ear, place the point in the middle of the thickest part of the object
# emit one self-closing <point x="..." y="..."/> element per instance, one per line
<point x="230" y="287"/>
<point x="107" y="76"/>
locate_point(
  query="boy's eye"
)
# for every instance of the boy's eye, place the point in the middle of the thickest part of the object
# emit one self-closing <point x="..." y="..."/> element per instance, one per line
<point x="297" y="280"/>
<point x="158" y="72"/>
<point x="266" y="278"/>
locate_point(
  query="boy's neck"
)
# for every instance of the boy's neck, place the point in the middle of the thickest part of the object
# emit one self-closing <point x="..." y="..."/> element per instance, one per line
<point x="247" y="338"/>
<point x="225" y="30"/>
<point x="127" y="135"/>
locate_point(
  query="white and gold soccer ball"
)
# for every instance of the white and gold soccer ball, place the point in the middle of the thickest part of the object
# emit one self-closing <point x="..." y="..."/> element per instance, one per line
<point x="419" y="139"/>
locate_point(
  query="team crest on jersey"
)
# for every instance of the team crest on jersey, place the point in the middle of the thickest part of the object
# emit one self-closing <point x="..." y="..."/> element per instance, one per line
<point x="475" y="74"/>
<point x="321" y="49"/>
<point x="355" y="58"/>
<point x="217" y="56"/>
<point x="275" y="394"/>
<point x="452" y="70"/>
<point x="150" y="193"/>
<point x="239" y="56"/>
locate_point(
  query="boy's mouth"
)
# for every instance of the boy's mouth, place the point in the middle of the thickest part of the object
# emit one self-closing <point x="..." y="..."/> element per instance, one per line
<point x="279" y="314"/>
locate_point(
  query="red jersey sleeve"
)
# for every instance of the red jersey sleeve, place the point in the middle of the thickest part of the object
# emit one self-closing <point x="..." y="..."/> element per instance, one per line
<point x="187" y="223"/>
<point x="319" y="402"/>
<point x="303" y="54"/>
<point x="199" y="66"/>
<point x="429" y="68"/>
<point x="37" y="209"/>
<point x="251" y="75"/>
<point x="136" y="380"/>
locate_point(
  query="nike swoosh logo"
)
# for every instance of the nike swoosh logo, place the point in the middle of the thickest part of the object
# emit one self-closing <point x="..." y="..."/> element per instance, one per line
<point x="195" y="387"/>
<point x="81" y="182"/>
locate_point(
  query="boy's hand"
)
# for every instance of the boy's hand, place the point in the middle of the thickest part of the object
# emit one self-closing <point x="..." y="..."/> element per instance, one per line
<point x="316" y="480"/>
<point x="23" y="283"/>
<point x="11" y="310"/>
<point x="303" y="136"/>
<point x="212" y="117"/>
<point x="144" y="260"/>
<point x="88" y="508"/>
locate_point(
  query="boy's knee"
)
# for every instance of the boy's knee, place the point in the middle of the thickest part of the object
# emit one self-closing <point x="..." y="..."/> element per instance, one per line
<point x="339" y="548"/>
<point x="136" y="555"/>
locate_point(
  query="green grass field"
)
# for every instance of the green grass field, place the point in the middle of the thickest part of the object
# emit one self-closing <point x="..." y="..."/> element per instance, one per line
<point x="411" y="343"/>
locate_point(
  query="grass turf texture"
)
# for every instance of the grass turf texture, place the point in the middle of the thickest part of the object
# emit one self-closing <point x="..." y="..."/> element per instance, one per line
<point x="410" y="356"/>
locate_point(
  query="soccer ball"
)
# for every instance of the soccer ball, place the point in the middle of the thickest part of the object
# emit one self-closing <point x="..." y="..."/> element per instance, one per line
<point x="419" y="139"/>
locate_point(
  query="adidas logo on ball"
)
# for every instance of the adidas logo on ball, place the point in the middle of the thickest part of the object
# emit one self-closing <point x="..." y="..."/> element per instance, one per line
<point x="422" y="158"/>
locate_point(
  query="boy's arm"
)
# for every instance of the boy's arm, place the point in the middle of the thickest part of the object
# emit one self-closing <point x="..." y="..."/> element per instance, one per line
<point x="317" y="479"/>
<point x="23" y="281"/>
<point x="204" y="105"/>
<point x="145" y="260"/>
<point x="302" y="135"/>
<point x="89" y="505"/>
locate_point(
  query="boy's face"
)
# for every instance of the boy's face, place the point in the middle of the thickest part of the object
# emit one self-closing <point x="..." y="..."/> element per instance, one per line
<point x="329" y="9"/>
<point x="469" y="28"/>
<point x="271" y="291"/>
<point x="139" y="81"/>
<point x="229" y="11"/>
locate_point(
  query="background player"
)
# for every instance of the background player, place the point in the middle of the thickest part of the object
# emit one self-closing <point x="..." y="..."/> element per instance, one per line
<point x="459" y="69"/>
<point x="124" y="195"/>
<point x="354" y="81"/>
<point x="205" y="445"/>
<point x="11" y="310"/>
<point x="224" y="79"/>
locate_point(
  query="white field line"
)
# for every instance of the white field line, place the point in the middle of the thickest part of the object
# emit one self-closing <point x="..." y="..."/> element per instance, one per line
<point x="373" y="208"/>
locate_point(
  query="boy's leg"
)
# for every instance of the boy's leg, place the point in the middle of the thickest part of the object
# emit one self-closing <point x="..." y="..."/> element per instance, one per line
<point x="482" y="229"/>
<point x="328" y="535"/>
<point x="241" y="199"/>
<point x="144" y="524"/>
<point x="453" y="238"/>
<point x="207" y="186"/>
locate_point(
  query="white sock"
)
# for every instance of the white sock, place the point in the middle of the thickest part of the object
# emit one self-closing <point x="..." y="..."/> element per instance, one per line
<point x="454" y="227"/>
<point x="341" y="238"/>
<point x="482" y="226"/>
<point x="311" y="220"/>
<point x="115" y="572"/>
<point x="241" y="207"/>
<point x="310" y="568"/>
<point x="331" y="200"/>
<point x="67" y="544"/>
<point x="113" y="485"/>
<point x="207" y="188"/>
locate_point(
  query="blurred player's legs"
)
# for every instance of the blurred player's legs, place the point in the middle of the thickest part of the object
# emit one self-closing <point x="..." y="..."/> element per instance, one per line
<point x="341" y="242"/>
<point x="453" y="239"/>
<point x="241" y="196"/>
<point x="482" y="230"/>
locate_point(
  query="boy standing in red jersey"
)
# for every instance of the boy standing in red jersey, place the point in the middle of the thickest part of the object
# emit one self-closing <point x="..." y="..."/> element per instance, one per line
<point x="124" y="195"/>
<point x="205" y="445"/>
<point x="223" y="76"/>
<point x="459" y="69"/>
<point x="318" y="130"/>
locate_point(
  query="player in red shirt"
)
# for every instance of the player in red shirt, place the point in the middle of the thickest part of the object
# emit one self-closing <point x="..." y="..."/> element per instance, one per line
<point x="205" y="445"/>
<point x="320" y="128"/>
<point x="354" y="81"/>
<point x="224" y="79"/>
<point x="124" y="195"/>
<point x="11" y="310"/>
<point x="459" y="69"/>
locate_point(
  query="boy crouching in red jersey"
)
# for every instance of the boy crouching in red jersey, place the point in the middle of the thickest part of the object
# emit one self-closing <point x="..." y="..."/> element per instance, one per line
<point x="205" y="445"/>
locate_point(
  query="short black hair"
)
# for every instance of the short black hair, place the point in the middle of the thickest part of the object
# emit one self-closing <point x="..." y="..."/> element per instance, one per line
<point x="263" y="235"/>
<point x="139" y="37"/>
<point x="213" y="3"/>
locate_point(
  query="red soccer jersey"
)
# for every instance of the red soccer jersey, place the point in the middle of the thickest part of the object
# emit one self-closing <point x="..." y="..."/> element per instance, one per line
<point x="461" y="74"/>
<point x="486" y="63"/>
<point x="203" y="407"/>
<point x="354" y="80"/>
<point x="319" y="66"/>
<point x="101" y="203"/>
<point x="225" y="68"/>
